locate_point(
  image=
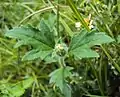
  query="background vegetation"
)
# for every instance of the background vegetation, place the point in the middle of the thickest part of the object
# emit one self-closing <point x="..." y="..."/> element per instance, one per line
<point x="32" y="74"/>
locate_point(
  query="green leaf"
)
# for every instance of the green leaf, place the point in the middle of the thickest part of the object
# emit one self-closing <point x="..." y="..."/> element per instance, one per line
<point x="95" y="38"/>
<point x="82" y="42"/>
<point x="42" y="40"/>
<point x="58" y="78"/>
<point x="67" y="90"/>
<point x="34" y="54"/>
<point x="20" y="32"/>
<point x="15" y="89"/>
<point x="19" y="88"/>
<point x="50" y="59"/>
<point x="47" y="35"/>
<point x="77" y="38"/>
<point x="27" y="83"/>
<point x="84" y="53"/>
<point x="51" y="21"/>
<point x="28" y="36"/>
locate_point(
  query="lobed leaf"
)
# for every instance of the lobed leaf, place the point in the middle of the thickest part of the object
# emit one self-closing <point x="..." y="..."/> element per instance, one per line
<point x="82" y="42"/>
<point x="41" y="40"/>
<point x="47" y="34"/>
<point x="34" y="54"/>
<point x="58" y="78"/>
<point x="84" y="53"/>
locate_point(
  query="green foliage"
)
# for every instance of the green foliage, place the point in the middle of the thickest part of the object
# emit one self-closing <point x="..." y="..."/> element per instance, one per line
<point x="43" y="44"/>
<point x="58" y="78"/>
<point x="64" y="58"/>
<point x="16" y="89"/>
<point x="42" y="40"/>
<point x="82" y="42"/>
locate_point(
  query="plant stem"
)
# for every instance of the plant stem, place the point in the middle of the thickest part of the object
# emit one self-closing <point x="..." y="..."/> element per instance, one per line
<point x="61" y="62"/>
<point x="68" y="30"/>
<point x="114" y="63"/>
<point x="73" y="7"/>
<point x="98" y="80"/>
<point x="36" y="12"/>
<point x="58" y="19"/>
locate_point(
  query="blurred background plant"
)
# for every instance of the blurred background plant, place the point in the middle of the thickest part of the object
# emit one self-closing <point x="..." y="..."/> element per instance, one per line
<point x="91" y="77"/>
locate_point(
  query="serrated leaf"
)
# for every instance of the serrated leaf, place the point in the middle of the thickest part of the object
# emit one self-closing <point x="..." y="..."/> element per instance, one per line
<point x="49" y="59"/>
<point x="34" y="54"/>
<point x="41" y="40"/>
<point x="51" y="21"/>
<point x="20" y="32"/>
<point x="67" y="72"/>
<point x="19" y="43"/>
<point x="18" y="89"/>
<point x="77" y="38"/>
<point x="96" y="38"/>
<point x="28" y="36"/>
<point x="58" y="77"/>
<point x="82" y="42"/>
<point x="47" y="35"/>
<point x="67" y="90"/>
<point x="84" y="53"/>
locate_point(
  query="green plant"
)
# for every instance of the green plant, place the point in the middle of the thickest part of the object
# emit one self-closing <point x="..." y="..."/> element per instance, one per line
<point x="14" y="90"/>
<point x="46" y="46"/>
<point x="84" y="68"/>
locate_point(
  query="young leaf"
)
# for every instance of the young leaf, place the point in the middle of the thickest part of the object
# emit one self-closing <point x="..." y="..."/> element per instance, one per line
<point x="81" y="43"/>
<point x="58" y="78"/>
